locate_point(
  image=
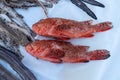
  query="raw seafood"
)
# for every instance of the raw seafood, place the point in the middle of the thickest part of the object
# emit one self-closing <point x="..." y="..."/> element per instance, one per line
<point x="24" y="3"/>
<point x="14" y="16"/>
<point x="65" y="29"/>
<point x="81" y="4"/>
<point x="13" y="30"/>
<point x="52" y="1"/>
<point x="32" y="3"/>
<point x="11" y="36"/>
<point x="59" y="51"/>
<point x="16" y="64"/>
<point x="6" y="75"/>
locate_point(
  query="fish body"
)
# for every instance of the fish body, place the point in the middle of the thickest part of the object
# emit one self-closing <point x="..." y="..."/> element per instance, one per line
<point x="6" y="75"/>
<point x="16" y="64"/>
<point x="11" y="37"/>
<point x="24" y="3"/>
<point x="66" y="29"/>
<point x="60" y="51"/>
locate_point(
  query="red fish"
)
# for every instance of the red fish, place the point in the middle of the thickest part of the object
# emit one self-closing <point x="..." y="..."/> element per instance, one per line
<point x="59" y="51"/>
<point x="66" y="29"/>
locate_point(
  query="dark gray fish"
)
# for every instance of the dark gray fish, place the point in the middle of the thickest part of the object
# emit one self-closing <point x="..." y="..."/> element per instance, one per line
<point x="81" y="4"/>
<point x="17" y="18"/>
<point x="16" y="64"/>
<point x="52" y="1"/>
<point x="8" y="21"/>
<point x="93" y="2"/>
<point x="13" y="33"/>
<point x="11" y="12"/>
<point x="11" y="36"/>
<point x="24" y="3"/>
<point x="6" y="75"/>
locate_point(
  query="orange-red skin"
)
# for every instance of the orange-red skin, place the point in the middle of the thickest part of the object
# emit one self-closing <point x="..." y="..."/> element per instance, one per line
<point x="65" y="29"/>
<point x="59" y="51"/>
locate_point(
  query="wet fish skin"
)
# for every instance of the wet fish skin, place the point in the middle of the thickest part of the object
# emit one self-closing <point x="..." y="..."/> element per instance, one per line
<point x="82" y="5"/>
<point x="25" y="3"/>
<point x="16" y="17"/>
<point x="16" y="64"/>
<point x="7" y="75"/>
<point x="12" y="37"/>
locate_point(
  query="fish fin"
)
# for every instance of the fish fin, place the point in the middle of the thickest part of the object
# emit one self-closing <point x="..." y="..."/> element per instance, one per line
<point x="98" y="54"/>
<point x="87" y="36"/>
<point x="102" y="26"/>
